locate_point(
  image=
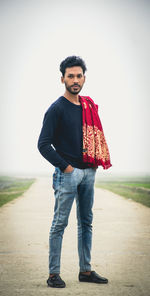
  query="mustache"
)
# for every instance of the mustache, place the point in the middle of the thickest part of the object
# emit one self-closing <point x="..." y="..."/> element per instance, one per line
<point x="75" y="84"/>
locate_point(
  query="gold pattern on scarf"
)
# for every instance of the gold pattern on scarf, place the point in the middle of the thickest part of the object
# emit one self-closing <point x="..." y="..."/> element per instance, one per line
<point x="94" y="143"/>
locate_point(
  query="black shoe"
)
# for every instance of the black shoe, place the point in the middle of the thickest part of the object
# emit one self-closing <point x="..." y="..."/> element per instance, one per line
<point x="56" y="282"/>
<point x="92" y="278"/>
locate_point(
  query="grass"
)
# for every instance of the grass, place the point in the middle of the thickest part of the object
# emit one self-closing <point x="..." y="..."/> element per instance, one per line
<point x="11" y="188"/>
<point x="137" y="190"/>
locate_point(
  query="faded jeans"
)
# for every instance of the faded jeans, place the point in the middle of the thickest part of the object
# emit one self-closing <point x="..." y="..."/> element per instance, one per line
<point x="79" y="185"/>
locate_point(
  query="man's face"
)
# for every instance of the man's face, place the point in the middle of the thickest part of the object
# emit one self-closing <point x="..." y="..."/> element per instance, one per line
<point x="73" y="79"/>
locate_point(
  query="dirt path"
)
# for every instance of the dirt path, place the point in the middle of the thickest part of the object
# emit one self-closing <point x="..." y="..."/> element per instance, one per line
<point x="121" y="246"/>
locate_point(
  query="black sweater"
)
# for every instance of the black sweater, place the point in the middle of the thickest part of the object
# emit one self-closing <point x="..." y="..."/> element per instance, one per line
<point x="60" y="140"/>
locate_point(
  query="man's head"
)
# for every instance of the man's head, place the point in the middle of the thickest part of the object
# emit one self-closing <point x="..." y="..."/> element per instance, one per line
<point x="73" y="69"/>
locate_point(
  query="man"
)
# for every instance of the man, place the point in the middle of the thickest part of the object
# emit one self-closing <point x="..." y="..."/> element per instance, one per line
<point x="72" y="140"/>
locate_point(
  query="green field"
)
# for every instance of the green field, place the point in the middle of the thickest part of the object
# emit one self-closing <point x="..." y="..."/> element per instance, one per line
<point x="131" y="188"/>
<point x="11" y="187"/>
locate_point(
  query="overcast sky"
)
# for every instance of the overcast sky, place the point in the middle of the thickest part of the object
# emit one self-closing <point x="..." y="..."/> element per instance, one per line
<point x="112" y="37"/>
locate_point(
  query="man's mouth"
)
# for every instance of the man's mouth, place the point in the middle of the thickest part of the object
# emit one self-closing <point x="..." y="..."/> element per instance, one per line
<point x="75" y="86"/>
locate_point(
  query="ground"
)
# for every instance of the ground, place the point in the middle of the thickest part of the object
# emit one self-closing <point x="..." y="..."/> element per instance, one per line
<point x="120" y="251"/>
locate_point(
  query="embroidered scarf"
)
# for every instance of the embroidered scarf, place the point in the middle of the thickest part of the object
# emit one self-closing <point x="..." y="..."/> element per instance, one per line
<point x="95" y="149"/>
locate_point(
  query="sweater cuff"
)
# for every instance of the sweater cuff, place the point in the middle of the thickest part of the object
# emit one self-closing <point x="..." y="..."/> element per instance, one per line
<point x="64" y="166"/>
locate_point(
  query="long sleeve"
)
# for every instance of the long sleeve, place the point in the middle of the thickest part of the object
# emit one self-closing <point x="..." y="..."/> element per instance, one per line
<point x="47" y="138"/>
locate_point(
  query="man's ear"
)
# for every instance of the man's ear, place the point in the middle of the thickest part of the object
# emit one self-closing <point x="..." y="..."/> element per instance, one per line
<point x="84" y="78"/>
<point x="62" y="79"/>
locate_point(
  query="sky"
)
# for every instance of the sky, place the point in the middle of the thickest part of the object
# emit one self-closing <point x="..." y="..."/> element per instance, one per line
<point x="113" y="39"/>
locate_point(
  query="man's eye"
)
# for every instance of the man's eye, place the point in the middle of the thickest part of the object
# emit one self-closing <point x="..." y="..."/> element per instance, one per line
<point x="79" y="76"/>
<point x="70" y="76"/>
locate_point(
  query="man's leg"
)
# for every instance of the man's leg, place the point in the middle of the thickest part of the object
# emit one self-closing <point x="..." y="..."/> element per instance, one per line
<point x="65" y="190"/>
<point x="85" y="216"/>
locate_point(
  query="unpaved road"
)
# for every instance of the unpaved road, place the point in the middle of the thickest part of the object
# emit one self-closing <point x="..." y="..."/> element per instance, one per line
<point x="121" y="246"/>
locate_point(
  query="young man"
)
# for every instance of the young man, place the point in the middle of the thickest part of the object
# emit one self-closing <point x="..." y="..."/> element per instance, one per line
<point x="72" y="140"/>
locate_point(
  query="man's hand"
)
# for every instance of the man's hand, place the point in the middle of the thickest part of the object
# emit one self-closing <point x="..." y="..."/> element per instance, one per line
<point x="68" y="169"/>
<point x="95" y="168"/>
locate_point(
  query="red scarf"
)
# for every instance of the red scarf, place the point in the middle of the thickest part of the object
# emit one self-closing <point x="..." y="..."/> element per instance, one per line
<point x="95" y="149"/>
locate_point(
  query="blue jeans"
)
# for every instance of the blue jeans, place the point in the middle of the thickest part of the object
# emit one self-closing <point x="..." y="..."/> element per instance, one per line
<point x="79" y="185"/>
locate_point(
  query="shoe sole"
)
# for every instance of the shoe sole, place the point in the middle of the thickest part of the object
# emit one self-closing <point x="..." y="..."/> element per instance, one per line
<point x="55" y="286"/>
<point x="84" y="281"/>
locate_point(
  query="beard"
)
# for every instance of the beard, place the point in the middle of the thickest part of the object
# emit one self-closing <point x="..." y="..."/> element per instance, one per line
<point x="72" y="90"/>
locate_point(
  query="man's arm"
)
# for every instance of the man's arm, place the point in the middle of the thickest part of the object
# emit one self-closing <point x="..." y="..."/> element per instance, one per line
<point x="46" y="138"/>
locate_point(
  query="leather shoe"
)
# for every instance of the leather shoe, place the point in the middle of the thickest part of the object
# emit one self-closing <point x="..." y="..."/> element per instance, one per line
<point x="56" y="282"/>
<point x="92" y="278"/>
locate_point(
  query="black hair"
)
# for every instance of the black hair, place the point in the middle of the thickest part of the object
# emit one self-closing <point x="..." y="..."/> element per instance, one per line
<point x="72" y="61"/>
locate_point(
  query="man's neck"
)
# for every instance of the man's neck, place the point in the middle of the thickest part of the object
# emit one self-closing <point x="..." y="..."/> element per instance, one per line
<point x="72" y="98"/>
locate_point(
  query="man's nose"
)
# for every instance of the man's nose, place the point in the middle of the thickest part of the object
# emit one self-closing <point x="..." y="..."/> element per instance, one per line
<point x="75" y="80"/>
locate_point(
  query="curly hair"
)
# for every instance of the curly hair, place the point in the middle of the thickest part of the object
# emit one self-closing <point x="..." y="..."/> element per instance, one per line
<point x="72" y="61"/>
